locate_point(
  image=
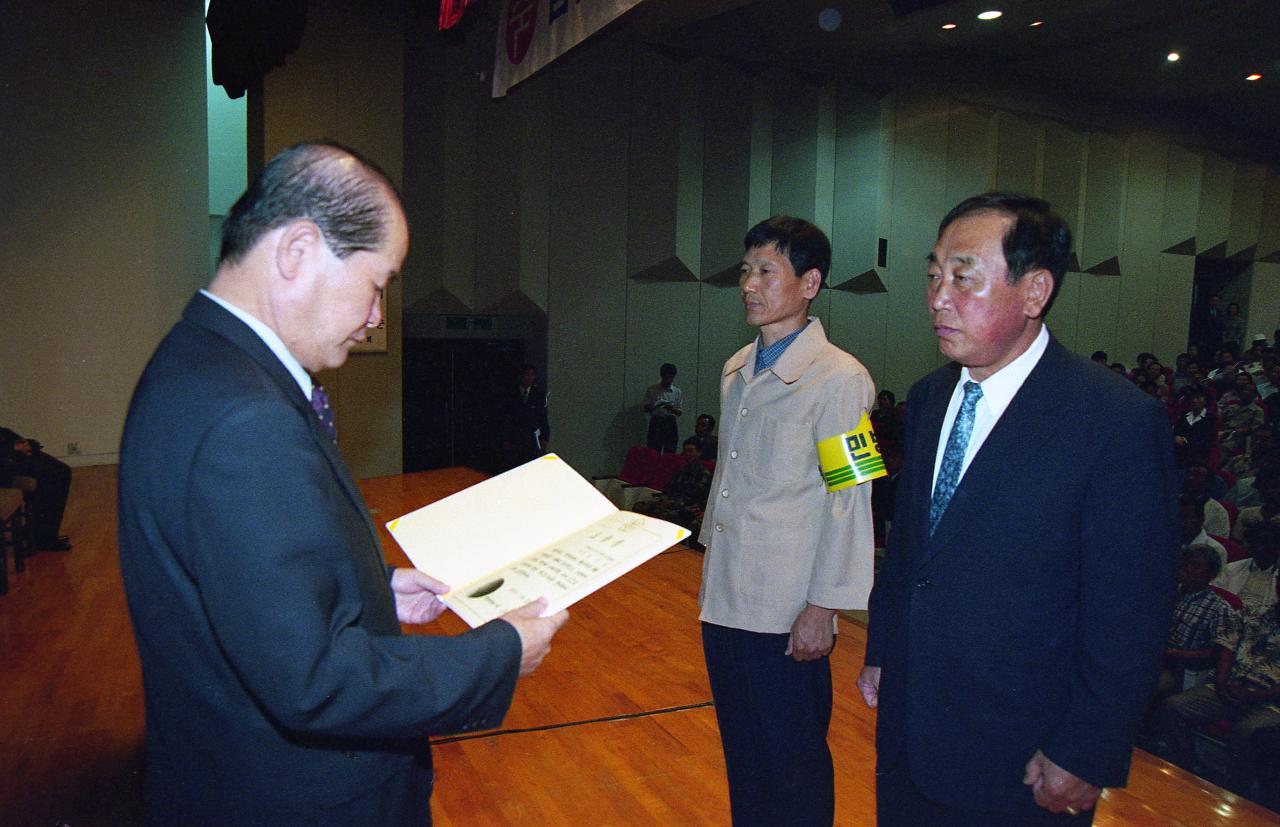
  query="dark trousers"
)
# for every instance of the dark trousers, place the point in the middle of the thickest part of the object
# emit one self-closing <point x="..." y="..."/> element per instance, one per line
<point x="899" y="803"/>
<point x="773" y="714"/>
<point x="662" y="434"/>
<point x="48" y="502"/>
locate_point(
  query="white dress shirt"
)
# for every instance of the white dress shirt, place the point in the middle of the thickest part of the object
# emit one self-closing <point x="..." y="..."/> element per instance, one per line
<point x="270" y="339"/>
<point x="998" y="391"/>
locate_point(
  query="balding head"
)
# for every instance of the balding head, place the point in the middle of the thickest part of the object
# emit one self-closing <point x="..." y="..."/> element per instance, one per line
<point x="347" y="197"/>
<point x="309" y="249"/>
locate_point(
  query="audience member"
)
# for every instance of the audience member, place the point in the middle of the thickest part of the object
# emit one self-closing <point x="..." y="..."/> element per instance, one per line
<point x="685" y="497"/>
<point x="885" y="420"/>
<point x="1267" y="484"/>
<point x="1245" y="688"/>
<point x="663" y="402"/>
<point x="1253" y="579"/>
<point x="704" y="432"/>
<point x="1201" y="483"/>
<point x="24" y="457"/>
<point x="1194" y="432"/>
<point x="1191" y="526"/>
<point x="1180" y="375"/>
<point x="1225" y="371"/>
<point x="1197" y="619"/>
<point x="1100" y="357"/>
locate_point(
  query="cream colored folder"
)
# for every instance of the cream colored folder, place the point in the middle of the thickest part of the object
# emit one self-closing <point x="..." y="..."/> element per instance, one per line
<point x="538" y="530"/>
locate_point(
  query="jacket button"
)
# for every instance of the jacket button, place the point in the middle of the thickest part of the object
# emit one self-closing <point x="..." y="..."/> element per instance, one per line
<point x="719" y="527"/>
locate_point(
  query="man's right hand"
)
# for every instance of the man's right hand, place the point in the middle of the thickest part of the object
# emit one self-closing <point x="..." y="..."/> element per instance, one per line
<point x="869" y="685"/>
<point x="535" y="632"/>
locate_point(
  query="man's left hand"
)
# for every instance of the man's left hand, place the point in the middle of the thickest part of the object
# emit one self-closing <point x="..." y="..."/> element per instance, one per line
<point x="811" y="634"/>
<point x="1057" y="790"/>
<point x="415" y="594"/>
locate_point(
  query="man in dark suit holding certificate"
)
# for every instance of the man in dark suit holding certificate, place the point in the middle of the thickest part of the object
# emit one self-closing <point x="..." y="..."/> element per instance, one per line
<point x="1017" y="628"/>
<point x="279" y="687"/>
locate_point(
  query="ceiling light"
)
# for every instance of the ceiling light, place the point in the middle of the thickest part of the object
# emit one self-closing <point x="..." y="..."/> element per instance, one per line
<point x="1254" y="76"/>
<point x="829" y="19"/>
<point x="948" y="26"/>
<point x="1173" y="57"/>
<point x="1037" y="23"/>
<point x="989" y="15"/>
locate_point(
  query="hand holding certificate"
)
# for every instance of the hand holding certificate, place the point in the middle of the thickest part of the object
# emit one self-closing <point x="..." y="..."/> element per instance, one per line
<point x="539" y="530"/>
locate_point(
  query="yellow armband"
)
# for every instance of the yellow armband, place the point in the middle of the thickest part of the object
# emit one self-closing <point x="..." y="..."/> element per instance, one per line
<point x="851" y="458"/>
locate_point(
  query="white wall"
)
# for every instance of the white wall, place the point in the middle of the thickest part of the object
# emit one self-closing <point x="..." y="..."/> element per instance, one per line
<point x="103" y="235"/>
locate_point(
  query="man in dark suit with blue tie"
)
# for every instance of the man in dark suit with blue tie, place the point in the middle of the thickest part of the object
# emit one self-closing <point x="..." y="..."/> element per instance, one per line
<point x="1017" y="628"/>
<point x="279" y="688"/>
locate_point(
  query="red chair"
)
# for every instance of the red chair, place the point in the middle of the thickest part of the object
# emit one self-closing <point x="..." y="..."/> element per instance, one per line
<point x="639" y="465"/>
<point x="1232" y="600"/>
<point x="668" y="465"/>
<point x="1235" y="551"/>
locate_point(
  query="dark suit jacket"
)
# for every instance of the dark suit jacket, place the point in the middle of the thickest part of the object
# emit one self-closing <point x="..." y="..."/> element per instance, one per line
<point x="1035" y="617"/>
<point x="279" y="688"/>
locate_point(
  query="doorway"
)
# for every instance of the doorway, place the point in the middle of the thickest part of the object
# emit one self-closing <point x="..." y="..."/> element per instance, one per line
<point x="455" y="401"/>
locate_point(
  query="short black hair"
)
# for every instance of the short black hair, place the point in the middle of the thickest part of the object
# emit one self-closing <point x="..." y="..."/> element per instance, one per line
<point x="1099" y="356"/>
<point x="349" y="202"/>
<point x="709" y="418"/>
<point x="804" y="245"/>
<point x="694" y="441"/>
<point x="1205" y="554"/>
<point x="893" y="400"/>
<point x="667" y="369"/>
<point x="1259" y="529"/>
<point x="1037" y="238"/>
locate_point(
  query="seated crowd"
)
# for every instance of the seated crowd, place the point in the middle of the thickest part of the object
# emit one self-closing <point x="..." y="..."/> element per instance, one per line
<point x="1221" y="685"/>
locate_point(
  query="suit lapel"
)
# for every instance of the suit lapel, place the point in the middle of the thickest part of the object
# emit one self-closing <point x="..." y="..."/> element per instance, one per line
<point x="1025" y="425"/>
<point x="207" y="314"/>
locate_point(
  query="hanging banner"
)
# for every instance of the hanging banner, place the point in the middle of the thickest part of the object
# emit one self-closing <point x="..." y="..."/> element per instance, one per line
<point x="532" y="33"/>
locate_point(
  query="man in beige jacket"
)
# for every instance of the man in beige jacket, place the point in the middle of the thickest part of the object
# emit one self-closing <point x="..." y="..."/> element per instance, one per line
<point x="783" y="552"/>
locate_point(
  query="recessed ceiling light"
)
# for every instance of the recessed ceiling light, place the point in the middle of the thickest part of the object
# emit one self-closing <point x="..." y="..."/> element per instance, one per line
<point x="989" y="15"/>
<point x="1173" y="57"/>
<point x="829" y="19"/>
<point x="948" y="26"/>
<point x="1037" y="23"/>
<point x="1254" y="76"/>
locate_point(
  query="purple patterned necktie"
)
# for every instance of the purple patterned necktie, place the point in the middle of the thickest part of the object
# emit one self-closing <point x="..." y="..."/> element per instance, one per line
<point x="320" y="404"/>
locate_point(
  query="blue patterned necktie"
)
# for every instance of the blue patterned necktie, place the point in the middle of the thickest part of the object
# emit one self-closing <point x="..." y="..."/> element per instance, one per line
<point x="320" y="404"/>
<point x="953" y="455"/>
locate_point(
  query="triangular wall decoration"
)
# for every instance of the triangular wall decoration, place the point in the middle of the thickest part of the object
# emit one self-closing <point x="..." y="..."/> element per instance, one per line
<point x="670" y="269"/>
<point x="863" y="284"/>
<point x="1183" y="248"/>
<point x="728" y="277"/>
<point x="440" y="302"/>
<point x="1110" y="267"/>
<point x="1216" y="251"/>
<point x="1247" y="254"/>
<point x="515" y="303"/>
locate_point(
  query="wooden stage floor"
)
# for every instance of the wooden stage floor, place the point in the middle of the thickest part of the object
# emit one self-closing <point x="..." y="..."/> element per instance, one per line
<point x="615" y="728"/>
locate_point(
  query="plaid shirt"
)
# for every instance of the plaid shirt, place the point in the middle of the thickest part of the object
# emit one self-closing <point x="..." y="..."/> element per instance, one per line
<point x="1255" y="638"/>
<point x="1197" y="620"/>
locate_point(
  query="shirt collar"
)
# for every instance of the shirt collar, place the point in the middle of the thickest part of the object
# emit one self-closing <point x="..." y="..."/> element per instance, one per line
<point x="999" y="388"/>
<point x="270" y="339"/>
<point x="767" y="357"/>
<point x="791" y="365"/>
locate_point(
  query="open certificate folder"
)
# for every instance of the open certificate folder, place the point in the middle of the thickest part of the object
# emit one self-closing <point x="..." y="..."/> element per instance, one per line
<point x="539" y="530"/>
